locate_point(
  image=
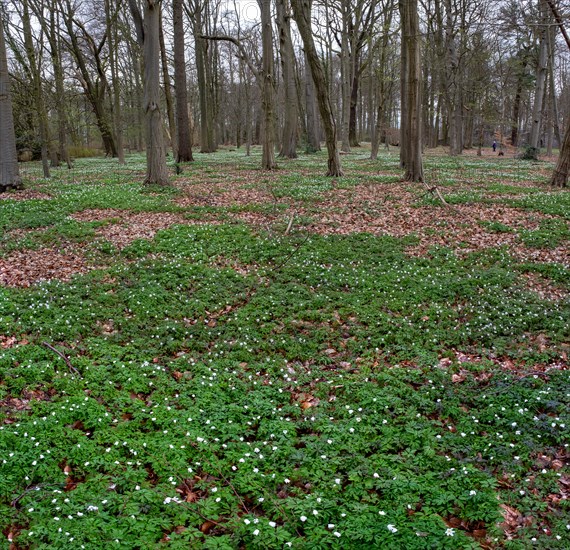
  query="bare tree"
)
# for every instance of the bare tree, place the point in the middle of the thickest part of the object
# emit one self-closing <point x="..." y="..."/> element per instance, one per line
<point x="540" y="87"/>
<point x="411" y="133"/>
<point x="148" y="36"/>
<point x="182" y="119"/>
<point x="80" y="43"/>
<point x="560" y="175"/>
<point x="302" y="14"/>
<point x="267" y="86"/>
<point x="34" y="65"/>
<point x="291" y="115"/>
<point x="9" y="173"/>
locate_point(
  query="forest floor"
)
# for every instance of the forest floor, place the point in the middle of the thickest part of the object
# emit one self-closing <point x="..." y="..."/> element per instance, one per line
<point x="268" y="360"/>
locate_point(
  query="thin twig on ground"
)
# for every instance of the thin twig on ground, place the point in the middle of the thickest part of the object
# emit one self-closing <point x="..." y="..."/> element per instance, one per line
<point x="64" y="357"/>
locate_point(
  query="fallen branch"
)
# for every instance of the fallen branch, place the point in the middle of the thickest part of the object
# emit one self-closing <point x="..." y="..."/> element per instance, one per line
<point x="290" y="224"/>
<point x="64" y="357"/>
<point x="434" y="190"/>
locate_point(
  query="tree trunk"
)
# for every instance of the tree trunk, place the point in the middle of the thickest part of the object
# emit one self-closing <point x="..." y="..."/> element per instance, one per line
<point x="313" y="141"/>
<point x="148" y="33"/>
<point x="516" y="112"/>
<point x="182" y="119"/>
<point x="9" y="172"/>
<point x="302" y="14"/>
<point x="94" y="91"/>
<point x="455" y="102"/>
<point x="345" y="77"/>
<point x="267" y="83"/>
<point x="540" y="88"/>
<point x="411" y="142"/>
<point x="352" y="137"/>
<point x="167" y="91"/>
<point x="59" y="88"/>
<point x="37" y="87"/>
<point x="554" y="114"/>
<point x="207" y="141"/>
<point x="113" y="41"/>
<point x="289" y="136"/>
<point x="560" y="174"/>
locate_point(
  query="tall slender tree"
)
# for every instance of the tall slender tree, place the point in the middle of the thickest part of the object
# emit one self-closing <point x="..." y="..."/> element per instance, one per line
<point x="267" y="87"/>
<point x="411" y="134"/>
<point x="302" y="14"/>
<point x="182" y="120"/>
<point x="148" y="36"/>
<point x="36" y="74"/>
<point x="291" y="115"/>
<point x="9" y="173"/>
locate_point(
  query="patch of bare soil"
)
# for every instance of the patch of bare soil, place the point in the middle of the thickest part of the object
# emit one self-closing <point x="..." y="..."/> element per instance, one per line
<point x="24" y="195"/>
<point x="24" y="268"/>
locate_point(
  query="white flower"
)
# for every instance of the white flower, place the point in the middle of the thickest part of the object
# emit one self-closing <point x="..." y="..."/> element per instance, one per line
<point x="392" y="529"/>
<point x="330" y="525"/>
<point x="382" y="513"/>
<point x="256" y="532"/>
<point x="336" y="534"/>
<point x="450" y="532"/>
<point x="272" y="524"/>
<point x="303" y="518"/>
<point x="337" y="481"/>
<point x="246" y="521"/>
<point x="92" y="508"/>
<point x="315" y="513"/>
<point x="286" y="480"/>
<point x="471" y="493"/>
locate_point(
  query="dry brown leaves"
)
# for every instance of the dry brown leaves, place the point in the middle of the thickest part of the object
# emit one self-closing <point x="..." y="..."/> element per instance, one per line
<point x="227" y="193"/>
<point x="387" y="209"/>
<point x="24" y="195"/>
<point x="128" y="226"/>
<point x="513" y="520"/>
<point x="24" y="268"/>
<point x="544" y="288"/>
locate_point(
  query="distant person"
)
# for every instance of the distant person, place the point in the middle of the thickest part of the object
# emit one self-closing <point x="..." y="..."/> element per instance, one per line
<point x="494" y="146"/>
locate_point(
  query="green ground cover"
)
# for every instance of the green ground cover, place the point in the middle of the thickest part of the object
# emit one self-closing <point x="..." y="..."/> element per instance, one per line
<point x="232" y="386"/>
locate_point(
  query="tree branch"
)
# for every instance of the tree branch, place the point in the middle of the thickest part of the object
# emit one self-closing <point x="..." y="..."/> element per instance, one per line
<point x="559" y="21"/>
<point x="242" y="50"/>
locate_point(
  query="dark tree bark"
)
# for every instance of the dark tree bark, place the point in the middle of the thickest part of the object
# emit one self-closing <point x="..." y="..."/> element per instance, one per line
<point x="173" y="138"/>
<point x="113" y="41"/>
<point x="540" y="87"/>
<point x="207" y="138"/>
<point x="149" y="34"/>
<point x="182" y="119"/>
<point x="313" y="141"/>
<point x="267" y="76"/>
<point x="35" y="73"/>
<point x="562" y="169"/>
<point x="289" y="135"/>
<point x="94" y="91"/>
<point x="411" y="135"/>
<point x="302" y="14"/>
<point x="9" y="172"/>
